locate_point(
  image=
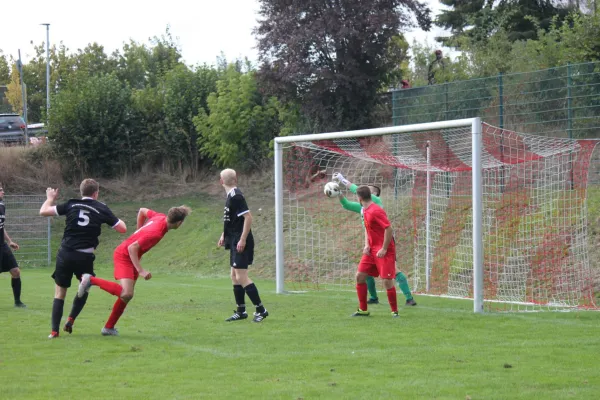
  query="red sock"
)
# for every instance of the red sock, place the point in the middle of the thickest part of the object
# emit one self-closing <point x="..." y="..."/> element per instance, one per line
<point x="391" y="293"/>
<point x="361" y="290"/>
<point x="111" y="287"/>
<point x="116" y="313"/>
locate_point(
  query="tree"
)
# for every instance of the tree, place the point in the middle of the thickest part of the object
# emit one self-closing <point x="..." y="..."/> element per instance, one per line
<point x="186" y="93"/>
<point x="13" y="93"/>
<point x="34" y="75"/>
<point x="90" y="126"/>
<point x="330" y="57"/>
<point x="4" y="69"/>
<point x="241" y="122"/>
<point x="478" y="20"/>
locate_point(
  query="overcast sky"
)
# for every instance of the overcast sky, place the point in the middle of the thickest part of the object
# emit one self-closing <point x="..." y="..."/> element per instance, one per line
<point x="203" y="28"/>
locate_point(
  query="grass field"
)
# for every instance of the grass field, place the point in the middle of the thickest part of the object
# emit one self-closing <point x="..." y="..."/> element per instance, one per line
<point x="174" y="343"/>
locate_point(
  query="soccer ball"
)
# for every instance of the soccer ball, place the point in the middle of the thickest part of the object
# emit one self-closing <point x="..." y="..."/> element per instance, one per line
<point x="331" y="189"/>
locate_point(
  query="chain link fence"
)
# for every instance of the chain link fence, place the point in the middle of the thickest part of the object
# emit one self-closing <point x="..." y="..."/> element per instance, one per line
<point x="30" y="231"/>
<point x="557" y="102"/>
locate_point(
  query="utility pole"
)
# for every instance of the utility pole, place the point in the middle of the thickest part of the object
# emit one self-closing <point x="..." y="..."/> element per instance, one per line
<point x="23" y="96"/>
<point x="47" y="70"/>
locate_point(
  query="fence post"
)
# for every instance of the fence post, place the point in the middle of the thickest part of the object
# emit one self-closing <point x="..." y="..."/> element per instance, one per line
<point x="49" y="241"/>
<point x="501" y="125"/>
<point x="570" y="117"/>
<point x="501" y="101"/>
<point x="446" y="100"/>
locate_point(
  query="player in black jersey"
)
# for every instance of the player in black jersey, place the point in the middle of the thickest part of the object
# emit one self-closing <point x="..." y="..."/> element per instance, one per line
<point x="85" y="217"/>
<point x="8" y="263"/>
<point x="237" y="238"/>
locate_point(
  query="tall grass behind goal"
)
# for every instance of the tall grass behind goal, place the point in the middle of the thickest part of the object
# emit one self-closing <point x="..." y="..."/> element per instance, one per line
<point x="478" y="212"/>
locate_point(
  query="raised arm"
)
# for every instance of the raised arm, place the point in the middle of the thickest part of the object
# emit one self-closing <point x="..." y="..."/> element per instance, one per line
<point x="48" y="209"/>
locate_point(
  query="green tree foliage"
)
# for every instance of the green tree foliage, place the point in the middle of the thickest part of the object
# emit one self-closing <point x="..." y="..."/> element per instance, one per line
<point x="13" y="93"/>
<point x="330" y="57"/>
<point x="90" y="127"/>
<point x="479" y="19"/>
<point x="34" y="75"/>
<point x="241" y="122"/>
<point x="4" y="69"/>
<point x="186" y="93"/>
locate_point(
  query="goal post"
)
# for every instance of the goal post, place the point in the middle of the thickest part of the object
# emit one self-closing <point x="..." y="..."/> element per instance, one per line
<point x="473" y="123"/>
<point x="478" y="212"/>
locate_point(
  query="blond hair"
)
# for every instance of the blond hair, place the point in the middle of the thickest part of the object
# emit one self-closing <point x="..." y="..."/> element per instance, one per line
<point x="88" y="187"/>
<point x="229" y="177"/>
<point x="177" y="214"/>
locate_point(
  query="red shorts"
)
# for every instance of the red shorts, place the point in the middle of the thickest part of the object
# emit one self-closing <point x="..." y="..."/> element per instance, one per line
<point x="384" y="267"/>
<point x="124" y="268"/>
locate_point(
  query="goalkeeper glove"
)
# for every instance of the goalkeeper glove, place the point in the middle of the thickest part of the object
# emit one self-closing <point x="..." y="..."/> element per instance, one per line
<point x="338" y="177"/>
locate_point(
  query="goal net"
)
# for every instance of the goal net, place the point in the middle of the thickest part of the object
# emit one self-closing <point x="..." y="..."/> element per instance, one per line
<point x="532" y="211"/>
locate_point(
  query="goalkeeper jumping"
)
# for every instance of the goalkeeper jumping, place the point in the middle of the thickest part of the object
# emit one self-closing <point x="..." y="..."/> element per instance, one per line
<point x="355" y="207"/>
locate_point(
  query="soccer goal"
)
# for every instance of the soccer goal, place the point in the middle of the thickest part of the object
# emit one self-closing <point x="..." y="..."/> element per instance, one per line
<point x="478" y="212"/>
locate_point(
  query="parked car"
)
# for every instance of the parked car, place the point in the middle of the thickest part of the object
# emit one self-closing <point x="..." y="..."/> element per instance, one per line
<point x="12" y="129"/>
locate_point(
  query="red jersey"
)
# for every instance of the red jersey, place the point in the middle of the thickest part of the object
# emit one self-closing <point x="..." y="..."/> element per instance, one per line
<point x="376" y="221"/>
<point x="147" y="236"/>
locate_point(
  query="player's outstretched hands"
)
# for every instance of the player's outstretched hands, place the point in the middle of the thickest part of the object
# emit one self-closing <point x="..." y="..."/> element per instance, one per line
<point x="339" y="178"/>
<point x="145" y="274"/>
<point x="51" y="194"/>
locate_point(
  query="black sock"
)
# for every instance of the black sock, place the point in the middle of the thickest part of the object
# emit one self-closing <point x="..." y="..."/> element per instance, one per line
<point x="239" y="294"/>
<point x="16" y="287"/>
<point x="252" y="292"/>
<point x="78" y="304"/>
<point x="57" y="312"/>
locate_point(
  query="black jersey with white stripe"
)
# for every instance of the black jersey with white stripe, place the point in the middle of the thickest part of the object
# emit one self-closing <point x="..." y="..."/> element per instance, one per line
<point x="84" y="221"/>
<point x="233" y="215"/>
<point x="2" y="219"/>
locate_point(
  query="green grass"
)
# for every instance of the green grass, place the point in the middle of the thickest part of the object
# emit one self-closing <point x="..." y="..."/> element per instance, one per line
<point x="174" y="343"/>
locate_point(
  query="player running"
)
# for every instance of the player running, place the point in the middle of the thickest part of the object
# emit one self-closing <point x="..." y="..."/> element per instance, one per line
<point x="85" y="217"/>
<point x="379" y="253"/>
<point x="356" y="207"/>
<point x="151" y="228"/>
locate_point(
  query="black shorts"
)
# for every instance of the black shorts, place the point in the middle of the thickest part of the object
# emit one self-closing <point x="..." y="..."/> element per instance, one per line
<point x="7" y="259"/>
<point x="71" y="262"/>
<point x="244" y="259"/>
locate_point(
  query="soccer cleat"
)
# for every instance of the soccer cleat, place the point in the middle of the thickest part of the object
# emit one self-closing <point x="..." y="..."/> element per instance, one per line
<point x="237" y="316"/>
<point x="53" y="335"/>
<point x="259" y="316"/>
<point x="395" y="314"/>
<point x="19" y="304"/>
<point x="361" y="313"/>
<point x="411" y="302"/>
<point x="68" y="326"/>
<point x="109" y="332"/>
<point x="84" y="285"/>
<point x="373" y="301"/>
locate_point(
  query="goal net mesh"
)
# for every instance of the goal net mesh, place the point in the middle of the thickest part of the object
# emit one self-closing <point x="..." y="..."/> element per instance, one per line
<point x="534" y="214"/>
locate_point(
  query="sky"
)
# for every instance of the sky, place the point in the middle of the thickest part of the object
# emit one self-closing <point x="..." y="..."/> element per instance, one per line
<point x="203" y="28"/>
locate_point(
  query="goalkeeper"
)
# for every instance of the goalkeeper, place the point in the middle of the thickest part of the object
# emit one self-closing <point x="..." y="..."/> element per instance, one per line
<point x="355" y="207"/>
